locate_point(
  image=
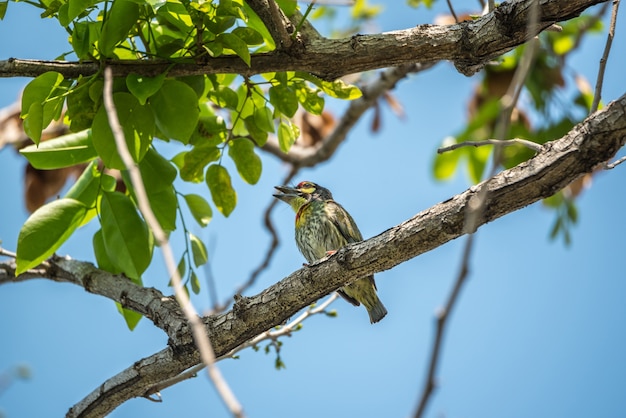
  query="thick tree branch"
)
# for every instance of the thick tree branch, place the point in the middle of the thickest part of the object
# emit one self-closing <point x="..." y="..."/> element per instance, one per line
<point x="468" y="44"/>
<point x="589" y="144"/>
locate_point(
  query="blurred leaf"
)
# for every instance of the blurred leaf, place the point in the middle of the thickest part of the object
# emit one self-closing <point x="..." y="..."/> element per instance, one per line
<point x="286" y="137"/>
<point x="199" y="208"/>
<point x="248" y="164"/>
<point x="445" y="164"/>
<point x="284" y="99"/>
<point x="198" y="250"/>
<point x="62" y="151"/>
<point x="195" y="283"/>
<point x="45" y="230"/>
<point x="224" y="196"/>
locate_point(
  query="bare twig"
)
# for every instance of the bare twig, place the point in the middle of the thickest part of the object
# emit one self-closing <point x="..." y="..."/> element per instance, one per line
<point x="201" y="339"/>
<point x="505" y="143"/>
<point x="272" y="334"/>
<point x="597" y="95"/>
<point x="442" y="317"/>
<point x="476" y="207"/>
<point x="456" y="19"/>
<point x="614" y="164"/>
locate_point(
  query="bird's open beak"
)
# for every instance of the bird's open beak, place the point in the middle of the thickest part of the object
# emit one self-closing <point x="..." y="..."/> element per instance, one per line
<point x="287" y="194"/>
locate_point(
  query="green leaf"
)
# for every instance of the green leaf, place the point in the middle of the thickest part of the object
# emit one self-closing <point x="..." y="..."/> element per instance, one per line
<point x="45" y="230"/>
<point x="198" y="250"/>
<point x="138" y="125"/>
<point x="255" y="22"/>
<point x="224" y="97"/>
<point x="287" y="6"/>
<point x="131" y="317"/>
<point x="284" y="99"/>
<point x="264" y="119"/>
<point x="199" y="208"/>
<point x="238" y="45"/>
<point x="258" y="135"/>
<point x="60" y="152"/>
<point x="195" y="283"/>
<point x="195" y="161"/>
<point x="87" y="189"/>
<point x="125" y="235"/>
<point x="102" y="257"/>
<point x="76" y="7"/>
<point x="337" y="89"/>
<point x="181" y="268"/>
<point x="156" y="171"/>
<point x="3" y="8"/>
<point x="248" y="164"/>
<point x="286" y="137"/>
<point x="143" y="87"/>
<point x="163" y="203"/>
<point x="224" y="196"/>
<point x="122" y="17"/>
<point x="42" y="102"/>
<point x="175" y="108"/>
<point x="248" y="35"/>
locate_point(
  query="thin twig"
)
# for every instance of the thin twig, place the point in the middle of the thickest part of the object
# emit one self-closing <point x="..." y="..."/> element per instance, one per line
<point x="197" y="327"/>
<point x="456" y="19"/>
<point x="605" y="56"/>
<point x="272" y="334"/>
<point x="442" y="317"/>
<point x="476" y="206"/>
<point x="505" y="143"/>
<point x="614" y="164"/>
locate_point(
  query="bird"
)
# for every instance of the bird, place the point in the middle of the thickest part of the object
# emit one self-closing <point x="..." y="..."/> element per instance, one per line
<point x="323" y="226"/>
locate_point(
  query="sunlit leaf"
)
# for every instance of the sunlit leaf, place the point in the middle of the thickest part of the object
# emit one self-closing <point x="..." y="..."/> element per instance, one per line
<point x="63" y="151"/>
<point x="222" y="192"/>
<point x="199" y="208"/>
<point x="125" y="234"/>
<point x="248" y="164"/>
<point x="45" y="230"/>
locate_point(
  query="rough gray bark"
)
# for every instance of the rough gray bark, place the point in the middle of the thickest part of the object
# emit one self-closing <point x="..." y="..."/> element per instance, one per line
<point x="469" y="45"/>
<point x="589" y="144"/>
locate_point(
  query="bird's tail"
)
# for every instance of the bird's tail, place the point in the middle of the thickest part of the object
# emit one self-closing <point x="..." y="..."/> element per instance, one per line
<point x="364" y="291"/>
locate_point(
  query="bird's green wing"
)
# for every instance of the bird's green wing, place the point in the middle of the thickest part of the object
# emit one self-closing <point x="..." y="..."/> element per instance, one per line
<point x="343" y="221"/>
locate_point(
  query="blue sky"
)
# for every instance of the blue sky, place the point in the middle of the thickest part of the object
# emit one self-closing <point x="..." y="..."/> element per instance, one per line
<point x="538" y="331"/>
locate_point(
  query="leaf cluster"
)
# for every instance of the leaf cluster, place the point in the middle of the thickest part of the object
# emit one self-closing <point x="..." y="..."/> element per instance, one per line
<point x="210" y="116"/>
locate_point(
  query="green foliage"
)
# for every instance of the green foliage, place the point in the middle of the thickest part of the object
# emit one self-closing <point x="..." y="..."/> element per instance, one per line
<point x="544" y="84"/>
<point x="207" y="116"/>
